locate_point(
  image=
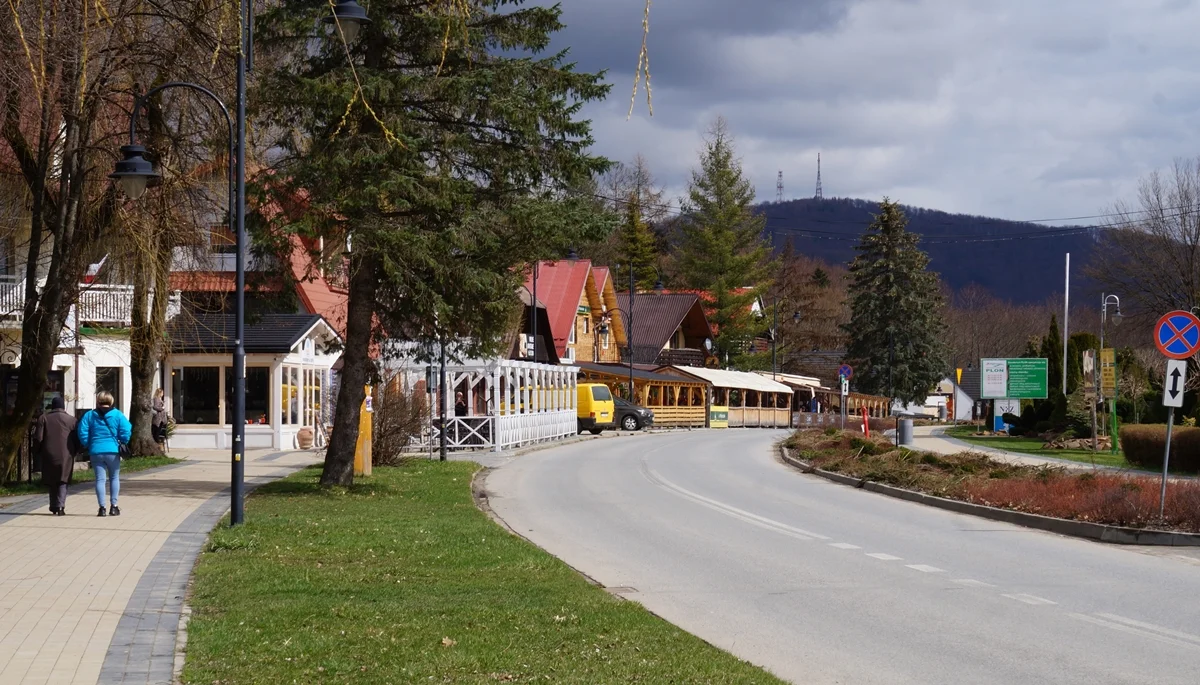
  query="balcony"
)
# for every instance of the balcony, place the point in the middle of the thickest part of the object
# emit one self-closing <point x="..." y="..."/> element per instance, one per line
<point x="104" y="306"/>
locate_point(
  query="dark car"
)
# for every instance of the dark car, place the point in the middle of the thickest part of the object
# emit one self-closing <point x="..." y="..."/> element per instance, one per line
<point x="631" y="417"/>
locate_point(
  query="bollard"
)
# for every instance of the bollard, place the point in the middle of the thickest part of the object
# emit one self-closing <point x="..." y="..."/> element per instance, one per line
<point x="906" y="432"/>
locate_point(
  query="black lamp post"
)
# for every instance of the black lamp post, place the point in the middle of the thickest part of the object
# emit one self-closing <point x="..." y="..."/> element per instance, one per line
<point x="134" y="172"/>
<point x="658" y="289"/>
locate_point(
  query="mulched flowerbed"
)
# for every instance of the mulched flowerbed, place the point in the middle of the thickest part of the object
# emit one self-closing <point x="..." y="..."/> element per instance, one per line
<point x="1094" y="496"/>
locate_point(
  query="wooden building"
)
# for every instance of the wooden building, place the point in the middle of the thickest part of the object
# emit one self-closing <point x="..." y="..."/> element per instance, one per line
<point x="751" y="400"/>
<point x="677" y="401"/>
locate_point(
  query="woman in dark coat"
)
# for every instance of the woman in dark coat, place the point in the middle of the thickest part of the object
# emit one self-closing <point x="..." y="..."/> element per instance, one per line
<point x="57" y="441"/>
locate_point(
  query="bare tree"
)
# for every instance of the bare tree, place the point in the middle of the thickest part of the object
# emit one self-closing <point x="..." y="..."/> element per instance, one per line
<point x="1150" y="250"/>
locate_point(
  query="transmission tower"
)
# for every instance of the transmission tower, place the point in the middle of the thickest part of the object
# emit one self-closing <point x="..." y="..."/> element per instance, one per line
<point x="820" y="195"/>
<point x="779" y="187"/>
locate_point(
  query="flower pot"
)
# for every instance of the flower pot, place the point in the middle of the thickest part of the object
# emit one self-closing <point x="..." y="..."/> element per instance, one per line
<point x="304" y="437"/>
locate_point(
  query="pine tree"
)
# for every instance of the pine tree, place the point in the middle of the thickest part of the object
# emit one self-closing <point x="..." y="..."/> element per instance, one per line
<point x="721" y="247"/>
<point x="638" y="244"/>
<point x="896" y="332"/>
<point x="446" y="154"/>
<point x="1052" y="350"/>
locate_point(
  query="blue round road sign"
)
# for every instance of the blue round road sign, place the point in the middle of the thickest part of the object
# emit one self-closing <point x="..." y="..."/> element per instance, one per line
<point x="845" y="371"/>
<point x="1177" y="334"/>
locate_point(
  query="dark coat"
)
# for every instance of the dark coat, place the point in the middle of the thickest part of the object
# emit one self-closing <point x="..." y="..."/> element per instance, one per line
<point x="57" y="442"/>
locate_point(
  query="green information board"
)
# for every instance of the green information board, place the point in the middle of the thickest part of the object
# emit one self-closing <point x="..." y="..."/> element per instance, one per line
<point x="1014" y="379"/>
<point x="1027" y="379"/>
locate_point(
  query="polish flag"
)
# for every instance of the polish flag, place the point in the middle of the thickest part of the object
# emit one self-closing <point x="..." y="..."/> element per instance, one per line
<point x="94" y="269"/>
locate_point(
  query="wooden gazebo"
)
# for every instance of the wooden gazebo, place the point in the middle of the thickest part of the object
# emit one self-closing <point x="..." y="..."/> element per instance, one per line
<point x="751" y="399"/>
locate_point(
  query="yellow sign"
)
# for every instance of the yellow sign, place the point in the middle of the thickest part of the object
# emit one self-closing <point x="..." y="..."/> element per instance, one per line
<point x="718" y="417"/>
<point x="1108" y="371"/>
<point x="959" y="372"/>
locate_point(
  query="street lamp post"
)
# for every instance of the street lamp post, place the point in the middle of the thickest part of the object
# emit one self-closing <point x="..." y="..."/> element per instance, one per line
<point x="134" y="172"/>
<point x="658" y="288"/>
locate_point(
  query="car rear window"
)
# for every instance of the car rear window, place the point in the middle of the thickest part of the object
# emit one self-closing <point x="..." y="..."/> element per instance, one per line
<point x="600" y="393"/>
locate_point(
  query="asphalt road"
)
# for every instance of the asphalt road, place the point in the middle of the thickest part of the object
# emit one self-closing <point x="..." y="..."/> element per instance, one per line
<point x="821" y="583"/>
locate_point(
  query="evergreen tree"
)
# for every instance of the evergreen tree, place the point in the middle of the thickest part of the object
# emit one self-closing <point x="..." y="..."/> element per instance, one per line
<point x="1053" y="352"/>
<point x="721" y="246"/>
<point x="638" y="244"/>
<point x="895" y="330"/>
<point x="446" y="154"/>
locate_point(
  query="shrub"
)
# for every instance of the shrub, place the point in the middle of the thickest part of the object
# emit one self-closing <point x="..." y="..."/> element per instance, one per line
<point x="832" y="430"/>
<point x="400" y="417"/>
<point x="1043" y="427"/>
<point x="1144" y="446"/>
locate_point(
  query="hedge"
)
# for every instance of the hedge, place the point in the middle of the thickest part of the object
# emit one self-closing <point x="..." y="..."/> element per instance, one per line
<point x="1144" y="445"/>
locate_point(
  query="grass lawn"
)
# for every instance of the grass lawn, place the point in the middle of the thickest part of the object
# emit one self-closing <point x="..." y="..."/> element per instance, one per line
<point x="132" y="465"/>
<point x="401" y="579"/>
<point x="1034" y="446"/>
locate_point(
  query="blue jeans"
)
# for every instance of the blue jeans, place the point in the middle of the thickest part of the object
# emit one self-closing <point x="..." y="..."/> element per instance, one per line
<point x="108" y="469"/>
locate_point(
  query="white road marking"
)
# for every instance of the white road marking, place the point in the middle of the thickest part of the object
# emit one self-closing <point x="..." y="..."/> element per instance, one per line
<point x="844" y="545"/>
<point x="742" y="514"/>
<point x="882" y="557"/>
<point x="1029" y="599"/>
<point x="1151" y="627"/>
<point x="971" y="582"/>
<point x="1131" y="630"/>
<point x="926" y="569"/>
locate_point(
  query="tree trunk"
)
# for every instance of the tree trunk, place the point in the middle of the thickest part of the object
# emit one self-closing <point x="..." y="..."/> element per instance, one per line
<point x="356" y="363"/>
<point x="145" y="341"/>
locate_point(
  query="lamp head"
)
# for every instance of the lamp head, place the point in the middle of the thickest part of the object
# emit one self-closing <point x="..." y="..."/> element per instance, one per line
<point x="134" y="171"/>
<point x="659" y="287"/>
<point x="796" y="317"/>
<point x="572" y="255"/>
<point x="350" y="17"/>
<point x="1116" y="318"/>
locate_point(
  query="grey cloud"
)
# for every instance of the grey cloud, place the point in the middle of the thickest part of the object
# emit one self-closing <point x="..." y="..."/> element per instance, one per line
<point x="1022" y="108"/>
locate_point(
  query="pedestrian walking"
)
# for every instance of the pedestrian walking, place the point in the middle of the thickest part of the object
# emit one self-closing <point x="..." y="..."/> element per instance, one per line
<point x="57" y="443"/>
<point x="158" y="423"/>
<point x="104" y="432"/>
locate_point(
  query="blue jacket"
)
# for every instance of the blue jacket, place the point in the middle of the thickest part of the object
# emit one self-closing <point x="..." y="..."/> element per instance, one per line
<point x="102" y="431"/>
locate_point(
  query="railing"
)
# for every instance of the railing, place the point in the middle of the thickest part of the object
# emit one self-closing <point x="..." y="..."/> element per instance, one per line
<point x="98" y="305"/>
<point x="523" y="429"/>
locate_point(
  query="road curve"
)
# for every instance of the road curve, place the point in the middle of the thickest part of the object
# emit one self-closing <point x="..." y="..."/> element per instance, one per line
<point x="821" y="583"/>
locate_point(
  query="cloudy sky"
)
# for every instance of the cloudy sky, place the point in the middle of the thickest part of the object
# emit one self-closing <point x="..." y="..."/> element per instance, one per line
<point x="1020" y="109"/>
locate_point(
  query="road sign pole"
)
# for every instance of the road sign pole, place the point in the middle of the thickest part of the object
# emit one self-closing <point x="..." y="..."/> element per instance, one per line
<point x="1162" y="497"/>
<point x="1112" y="412"/>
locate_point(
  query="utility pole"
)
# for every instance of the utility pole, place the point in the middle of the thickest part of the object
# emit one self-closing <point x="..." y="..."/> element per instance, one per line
<point x="632" y="394"/>
<point x="1066" y="313"/>
<point x="442" y="396"/>
<point x="774" y="332"/>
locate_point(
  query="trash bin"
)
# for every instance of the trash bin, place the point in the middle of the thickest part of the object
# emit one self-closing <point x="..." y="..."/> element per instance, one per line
<point x="906" y="431"/>
<point x="942" y="412"/>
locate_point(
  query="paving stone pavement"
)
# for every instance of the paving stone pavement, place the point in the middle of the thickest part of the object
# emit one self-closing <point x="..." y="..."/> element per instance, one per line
<point x="98" y="601"/>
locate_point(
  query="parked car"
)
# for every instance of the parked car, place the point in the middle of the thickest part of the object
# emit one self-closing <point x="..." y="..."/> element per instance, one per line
<point x="596" y="411"/>
<point x="631" y="417"/>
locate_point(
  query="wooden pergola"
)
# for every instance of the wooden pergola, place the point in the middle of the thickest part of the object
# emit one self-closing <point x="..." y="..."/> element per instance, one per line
<point x="676" y="401"/>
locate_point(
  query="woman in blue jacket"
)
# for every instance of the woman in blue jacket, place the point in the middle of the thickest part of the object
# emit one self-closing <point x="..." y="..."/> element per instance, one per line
<point x="102" y="432"/>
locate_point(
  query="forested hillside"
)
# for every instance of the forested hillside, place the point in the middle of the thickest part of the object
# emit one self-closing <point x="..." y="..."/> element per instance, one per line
<point x="1015" y="261"/>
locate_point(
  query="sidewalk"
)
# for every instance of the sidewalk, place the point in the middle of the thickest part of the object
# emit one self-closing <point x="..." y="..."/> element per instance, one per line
<point x="94" y="600"/>
<point x="931" y="439"/>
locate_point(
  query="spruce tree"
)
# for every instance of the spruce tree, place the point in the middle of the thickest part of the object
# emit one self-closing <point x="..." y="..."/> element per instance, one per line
<point x="896" y="332"/>
<point x="1052" y="351"/>
<point x="638" y="244"/>
<point x="440" y="148"/>
<point x="721" y="246"/>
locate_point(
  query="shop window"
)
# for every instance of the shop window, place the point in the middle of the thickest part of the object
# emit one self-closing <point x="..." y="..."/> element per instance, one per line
<point x="258" y="395"/>
<point x="196" y="394"/>
<point x="291" y="395"/>
<point x="108" y="379"/>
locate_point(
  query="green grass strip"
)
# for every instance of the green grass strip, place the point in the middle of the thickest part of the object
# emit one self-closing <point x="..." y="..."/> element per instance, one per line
<point x="1034" y="446"/>
<point x="401" y="579"/>
<point x="132" y="465"/>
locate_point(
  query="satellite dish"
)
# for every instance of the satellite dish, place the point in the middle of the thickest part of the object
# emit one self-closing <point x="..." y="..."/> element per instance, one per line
<point x="708" y="344"/>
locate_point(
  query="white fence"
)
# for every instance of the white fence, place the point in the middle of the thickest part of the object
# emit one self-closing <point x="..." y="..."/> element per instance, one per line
<point x="98" y="305"/>
<point x="509" y="404"/>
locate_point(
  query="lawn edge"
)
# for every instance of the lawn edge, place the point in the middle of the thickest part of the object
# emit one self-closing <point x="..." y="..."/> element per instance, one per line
<point x="1098" y="532"/>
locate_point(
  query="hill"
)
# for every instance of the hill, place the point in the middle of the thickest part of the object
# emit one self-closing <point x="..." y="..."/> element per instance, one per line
<point x="1017" y="261"/>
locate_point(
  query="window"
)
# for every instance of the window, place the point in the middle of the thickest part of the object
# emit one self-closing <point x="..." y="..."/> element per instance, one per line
<point x="604" y="340"/>
<point x="291" y="395"/>
<point x="600" y="393"/>
<point x="8" y="257"/>
<point x="221" y="239"/>
<point x="108" y="379"/>
<point x="587" y="320"/>
<point x="258" y="395"/>
<point x="195" y="394"/>
<point x="571" y="334"/>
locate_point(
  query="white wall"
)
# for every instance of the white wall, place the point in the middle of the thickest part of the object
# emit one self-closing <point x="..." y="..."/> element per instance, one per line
<point x="99" y="351"/>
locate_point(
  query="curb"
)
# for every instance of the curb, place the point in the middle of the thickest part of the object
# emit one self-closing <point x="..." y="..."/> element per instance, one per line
<point x="1119" y="535"/>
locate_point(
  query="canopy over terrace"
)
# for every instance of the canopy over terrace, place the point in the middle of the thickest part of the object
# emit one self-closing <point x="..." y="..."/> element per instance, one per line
<point x="676" y="400"/>
<point x="752" y="399"/>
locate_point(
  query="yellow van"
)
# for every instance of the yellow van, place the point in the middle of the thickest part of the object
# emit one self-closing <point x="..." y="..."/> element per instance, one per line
<point x="597" y="411"/>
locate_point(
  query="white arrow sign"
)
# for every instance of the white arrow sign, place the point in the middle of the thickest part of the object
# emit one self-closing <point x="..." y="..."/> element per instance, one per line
<point x="1173" y="385"/>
